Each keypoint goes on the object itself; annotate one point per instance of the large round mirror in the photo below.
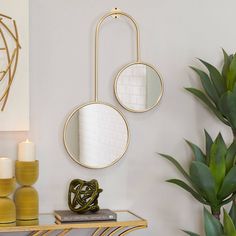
(138, 87)
(96, 135)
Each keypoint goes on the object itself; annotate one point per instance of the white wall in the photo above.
(173, 34)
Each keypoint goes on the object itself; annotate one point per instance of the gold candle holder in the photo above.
(26, 198)
(27, 222)
(27, 206)
(27, 172)
(7, 206)
(7, 212)
(7, 187)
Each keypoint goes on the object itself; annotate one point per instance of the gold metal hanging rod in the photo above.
(115, 13)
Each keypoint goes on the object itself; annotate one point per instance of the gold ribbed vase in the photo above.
(7, 206)
(27, 172)
(7, 186)
(27, 206)
(7, 212)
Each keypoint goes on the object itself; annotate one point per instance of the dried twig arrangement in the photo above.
(9, 55)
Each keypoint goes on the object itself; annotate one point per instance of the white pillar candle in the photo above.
(6, 168)
(26, 151)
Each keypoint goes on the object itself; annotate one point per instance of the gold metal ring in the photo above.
(66, 125)
(116, 81)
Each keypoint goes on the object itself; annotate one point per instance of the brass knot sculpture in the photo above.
(83, 196)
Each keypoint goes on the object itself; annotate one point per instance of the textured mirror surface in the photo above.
(138, 87)
(96, 135)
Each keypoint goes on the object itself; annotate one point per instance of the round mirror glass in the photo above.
(138, 87)
(96, 135)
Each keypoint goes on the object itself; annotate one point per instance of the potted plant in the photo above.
(211, 178)
(214, 228)
(219, 90)
(212, 174)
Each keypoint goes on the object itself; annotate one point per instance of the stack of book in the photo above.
(72, 217)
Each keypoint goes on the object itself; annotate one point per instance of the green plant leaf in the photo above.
(228, 200)
(209, 143)
(199, 156)
(229, 184)
(190, 233)
(229, 228)
(203, 179)
(231, 75)
(212, 226)
(183, 185)
(207, 85)
(199, 94)
(232, 213)
(177, 165)
(227, 62)
(216, 78)
(227, 106)
(217, 161)
(230, 156)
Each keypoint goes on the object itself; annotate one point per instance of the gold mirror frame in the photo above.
(116, 13)
(70, 117)
(116, 92)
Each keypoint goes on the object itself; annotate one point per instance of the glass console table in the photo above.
(126, 223)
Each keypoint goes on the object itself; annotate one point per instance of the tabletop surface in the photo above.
(47, 222)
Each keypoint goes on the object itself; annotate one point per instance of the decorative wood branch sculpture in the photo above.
(9, 55)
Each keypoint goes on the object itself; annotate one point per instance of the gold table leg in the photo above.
(131, 230)
(36, 233)
(95, 233)
(105, 232)
(116, 230)
(48, 233)
(64, 232)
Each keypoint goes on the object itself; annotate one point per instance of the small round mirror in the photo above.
(138, 87)
(96, 135)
